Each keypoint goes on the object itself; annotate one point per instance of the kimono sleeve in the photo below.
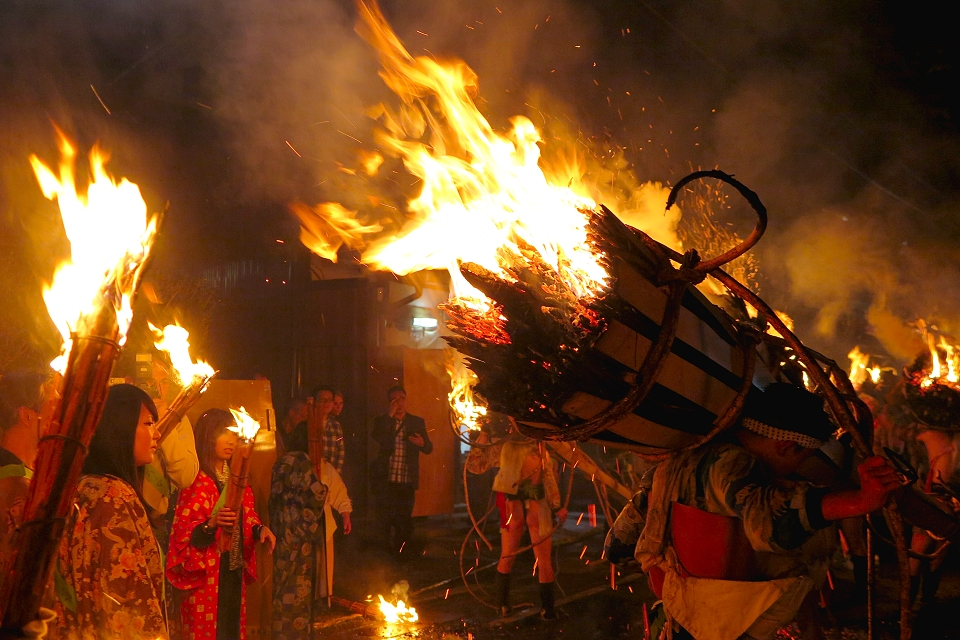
(187, 565)
(777, 516)
(128, 556)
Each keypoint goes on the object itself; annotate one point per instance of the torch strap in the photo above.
(60, 436)
(783, 435)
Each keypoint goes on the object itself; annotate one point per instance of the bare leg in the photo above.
(541, 551)
(510, 536)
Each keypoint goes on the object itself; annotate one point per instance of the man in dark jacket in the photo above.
(401, 438)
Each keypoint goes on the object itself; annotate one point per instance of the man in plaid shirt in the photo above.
(401, 437)
(333, 449)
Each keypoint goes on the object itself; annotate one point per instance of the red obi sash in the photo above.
(708, 545)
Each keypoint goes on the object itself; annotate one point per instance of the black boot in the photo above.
(914, 587)
(859, 579)
(503, 594)
(931, 582)
(546, 601)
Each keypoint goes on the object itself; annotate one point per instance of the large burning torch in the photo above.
(193, 377)
(246, 429)
(91, 303)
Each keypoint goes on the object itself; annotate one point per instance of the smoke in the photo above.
(232, 110)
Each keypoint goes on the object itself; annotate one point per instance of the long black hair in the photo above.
(111, 450)
(210, 426)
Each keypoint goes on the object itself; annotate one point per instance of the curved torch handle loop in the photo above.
(748, 194)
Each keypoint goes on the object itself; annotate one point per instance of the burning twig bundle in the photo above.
(633, 366)
(91, 302)
(932, 386)
(194, 377)
(246, 429)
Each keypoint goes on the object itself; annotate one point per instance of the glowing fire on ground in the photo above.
(110, 238)
(174, 340)
(469, 410)
(246, 426)
(861, 369)
(397, 613)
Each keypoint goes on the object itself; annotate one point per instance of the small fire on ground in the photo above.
(397, 613)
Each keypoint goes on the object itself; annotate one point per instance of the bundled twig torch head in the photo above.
(246, 430)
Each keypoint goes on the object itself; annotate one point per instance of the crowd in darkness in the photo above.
(153, 550)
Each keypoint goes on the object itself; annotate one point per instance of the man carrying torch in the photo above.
(721, 531)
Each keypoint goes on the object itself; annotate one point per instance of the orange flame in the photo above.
(110, 238)
(246, 426)
(469, 409)
(860, 369)
(398, 613)
(174, 341)
(481, 191)
(944, 361)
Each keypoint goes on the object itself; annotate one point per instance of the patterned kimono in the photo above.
(109, 572)
(197, 569)
(297, 499)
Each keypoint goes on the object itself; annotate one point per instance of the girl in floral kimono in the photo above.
(215, 603)
(109, 573)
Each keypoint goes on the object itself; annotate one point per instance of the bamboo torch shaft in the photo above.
(60, 456)
(239, 474)
(187, 397)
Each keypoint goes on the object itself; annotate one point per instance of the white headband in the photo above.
(765, 430)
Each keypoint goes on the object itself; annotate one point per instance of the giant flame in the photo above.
(110, 237)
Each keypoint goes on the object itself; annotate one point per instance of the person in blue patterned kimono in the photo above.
(297, 499)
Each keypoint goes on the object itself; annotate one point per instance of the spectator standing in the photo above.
(109, 571)
(332, 432)
(337, 404)
(401, 438)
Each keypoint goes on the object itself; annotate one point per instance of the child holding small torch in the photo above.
(212, 546)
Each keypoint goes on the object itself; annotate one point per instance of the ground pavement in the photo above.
(588, 608)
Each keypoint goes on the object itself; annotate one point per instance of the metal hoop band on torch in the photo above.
(239, 472)
(60, 455)
(184, 401)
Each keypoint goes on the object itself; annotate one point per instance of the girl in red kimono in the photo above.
(214, 605)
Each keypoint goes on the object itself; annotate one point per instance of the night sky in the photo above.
(841, 116)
